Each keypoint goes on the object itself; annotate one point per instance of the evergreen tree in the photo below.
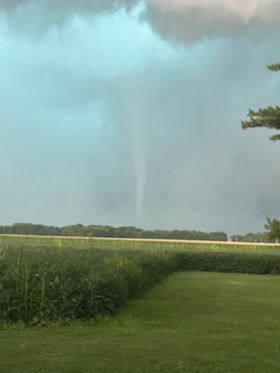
(268, 117)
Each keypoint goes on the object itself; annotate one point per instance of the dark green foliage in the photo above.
(230, 262)
(273, 226)
(48, 281)
(108, 231)
(268, 117)
(56, 283)
(274, 67)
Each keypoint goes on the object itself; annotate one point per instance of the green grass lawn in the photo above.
(193, 322)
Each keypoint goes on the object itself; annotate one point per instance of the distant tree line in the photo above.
(109, 231)
(251, 237)
(272, 235)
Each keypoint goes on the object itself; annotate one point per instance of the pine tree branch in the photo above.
(268, 117)
(275, 137)
(274, 67)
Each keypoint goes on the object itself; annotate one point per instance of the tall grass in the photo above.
(57, 283)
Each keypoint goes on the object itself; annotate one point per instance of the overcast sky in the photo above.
(127, 112)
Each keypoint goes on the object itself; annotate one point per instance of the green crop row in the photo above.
(41, 283)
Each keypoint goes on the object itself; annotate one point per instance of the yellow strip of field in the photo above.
(145, 240)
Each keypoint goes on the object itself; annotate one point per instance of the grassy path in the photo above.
(193, 322)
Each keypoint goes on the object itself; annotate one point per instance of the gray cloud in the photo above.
(189, 20)
(69, 6)
(178, 20)
(200, 169)
(45, 13)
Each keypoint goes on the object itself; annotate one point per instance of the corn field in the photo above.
(44, 280)
(51, 283)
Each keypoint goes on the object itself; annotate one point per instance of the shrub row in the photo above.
(230, 262)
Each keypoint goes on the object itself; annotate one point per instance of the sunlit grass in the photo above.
(193, 322)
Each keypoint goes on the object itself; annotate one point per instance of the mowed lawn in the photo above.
(192, 322)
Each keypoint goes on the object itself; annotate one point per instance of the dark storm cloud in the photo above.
(178, 20)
